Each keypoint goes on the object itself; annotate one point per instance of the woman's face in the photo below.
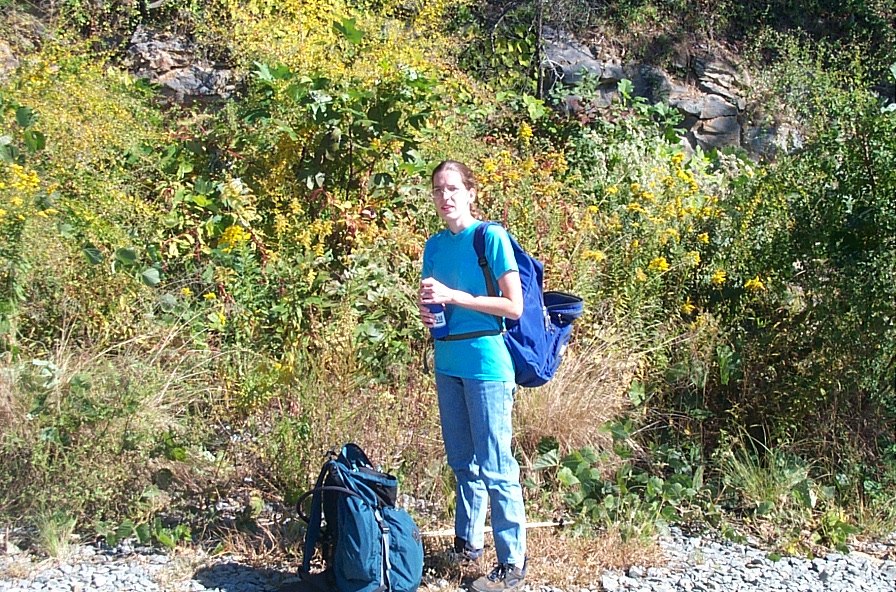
(453, 200)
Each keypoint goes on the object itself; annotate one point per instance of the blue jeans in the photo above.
(476, 427)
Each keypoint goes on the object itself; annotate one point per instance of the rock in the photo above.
(713, 88)
(173, 63)
(650, 82)
(8, 63)
(692, 105)
(636, 571)
(609, 582)
(720, 132)
(771, 140)
(715, 106)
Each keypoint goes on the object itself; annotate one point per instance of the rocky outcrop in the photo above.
(174, 63)
(711, 95)
(8, 62)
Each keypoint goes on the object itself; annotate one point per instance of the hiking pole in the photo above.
(450, 531)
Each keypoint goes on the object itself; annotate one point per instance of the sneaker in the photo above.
(504, 577)
(463, 553)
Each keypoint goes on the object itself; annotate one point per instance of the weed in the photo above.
(55, 532)
(588, 390)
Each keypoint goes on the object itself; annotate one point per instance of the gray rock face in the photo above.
(713, 104)
(173, 63)
(8, 62)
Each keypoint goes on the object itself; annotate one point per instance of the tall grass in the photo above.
(589, 389)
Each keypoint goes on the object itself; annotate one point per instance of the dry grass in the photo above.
(10, 406)
(589, 389)
(556, 558)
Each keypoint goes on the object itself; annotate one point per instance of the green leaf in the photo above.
(765, 508)
(566, 477)
(178, 453)
(636, 393)
(34, 140)
(50, 434)
(287, 129)
(93, 254)
(126, 256)
(150, 277)
(201, 200)
(25, 116)
(610, 501)
(547, 460)
(80, 382)
(203, 186)
(346, 28)
(547, 443)
(698, 478)
(164, 537)
(143, 534)
(8, 152)
(125, 530)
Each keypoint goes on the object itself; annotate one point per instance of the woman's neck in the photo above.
(458, 226)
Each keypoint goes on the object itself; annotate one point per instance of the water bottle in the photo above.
(440, 328)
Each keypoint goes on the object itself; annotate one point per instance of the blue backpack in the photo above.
(369, 545)
(538, 339)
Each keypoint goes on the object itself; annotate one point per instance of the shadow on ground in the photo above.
(236, 577)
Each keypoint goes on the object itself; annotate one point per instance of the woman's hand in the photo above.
(433, 291)
(426, 316)
(509, 305)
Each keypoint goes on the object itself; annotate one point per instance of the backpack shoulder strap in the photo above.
(314, 521)
(479, 247)
(490, 285)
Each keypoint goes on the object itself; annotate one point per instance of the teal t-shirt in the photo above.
(451, 259)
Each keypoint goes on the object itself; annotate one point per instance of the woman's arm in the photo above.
(508, 305)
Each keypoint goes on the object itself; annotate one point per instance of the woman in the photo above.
(475, 377)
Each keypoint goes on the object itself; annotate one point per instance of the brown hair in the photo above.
(466, 174)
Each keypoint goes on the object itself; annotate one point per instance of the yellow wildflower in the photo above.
(754, 285)
(636, 207)
(209, 296)
(677, 158)
(186, 292)
(703, 237)
(612, 190)
(693, 257)
(594, 255)
(687, 307)
(233, 236)
(640, 276)
(719, 277)
(593, 209)
(636, 243)
(635, 187)
(525, 132)
(659, 264)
